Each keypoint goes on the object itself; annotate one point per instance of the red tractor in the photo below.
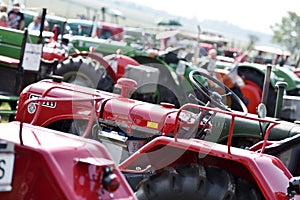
(166, 154)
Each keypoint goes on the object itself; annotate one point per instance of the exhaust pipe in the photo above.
(281, 86)
(266, 85)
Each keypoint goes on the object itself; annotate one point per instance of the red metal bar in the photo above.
(233, 114)
(230, 133)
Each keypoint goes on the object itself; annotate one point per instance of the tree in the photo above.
(287, 33)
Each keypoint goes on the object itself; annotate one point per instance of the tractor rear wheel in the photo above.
(86, 72)
(195, 182)
(185, 183)
(256, 80)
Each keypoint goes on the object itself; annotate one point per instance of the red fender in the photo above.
(253, 93)
(118, 63)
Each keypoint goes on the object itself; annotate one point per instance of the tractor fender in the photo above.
(243, 170)
(253, 75)
(288, 76)
(261, 69)
(278, 74)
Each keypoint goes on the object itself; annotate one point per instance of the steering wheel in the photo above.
(211, 92)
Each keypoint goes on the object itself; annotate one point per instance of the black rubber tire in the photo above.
(167, 96)
(180, 184)
(78, 127)
(62, 125)
(81, 71)
(168, 90)
(246, 191)
(238, 92)
(258, 78)
(196, 182)
(221, 184)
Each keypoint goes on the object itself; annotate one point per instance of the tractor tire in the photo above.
(165, 95)
(85, 72)
(168, 90)
(221, 184)
(185, 183)
(257, 78)
(245, 191)
(234, 104)
(195, 182)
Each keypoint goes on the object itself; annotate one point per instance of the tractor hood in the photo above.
(54, 109)
(55, 161)
(130, 114)
(249, 128)
(113, 108)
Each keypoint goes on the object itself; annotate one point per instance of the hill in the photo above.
(141, 16)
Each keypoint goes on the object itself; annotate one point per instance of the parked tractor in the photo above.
(39, 163)
(25, 60)
(254, 69)
(104, 30)
(83, 27)
(69, 117)
(52, 47)
(165, 152)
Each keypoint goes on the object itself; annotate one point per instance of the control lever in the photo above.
(191, 96)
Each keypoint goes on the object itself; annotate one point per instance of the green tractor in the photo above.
(253, 75)
(14, 73)
(255, 68)
(173, 66)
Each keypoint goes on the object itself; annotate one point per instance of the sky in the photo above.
(257, 15)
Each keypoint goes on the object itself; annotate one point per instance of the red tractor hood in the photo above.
(128, 113)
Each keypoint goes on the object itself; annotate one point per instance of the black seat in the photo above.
(288, 151)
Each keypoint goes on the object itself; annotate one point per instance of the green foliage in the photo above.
(287, 33)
